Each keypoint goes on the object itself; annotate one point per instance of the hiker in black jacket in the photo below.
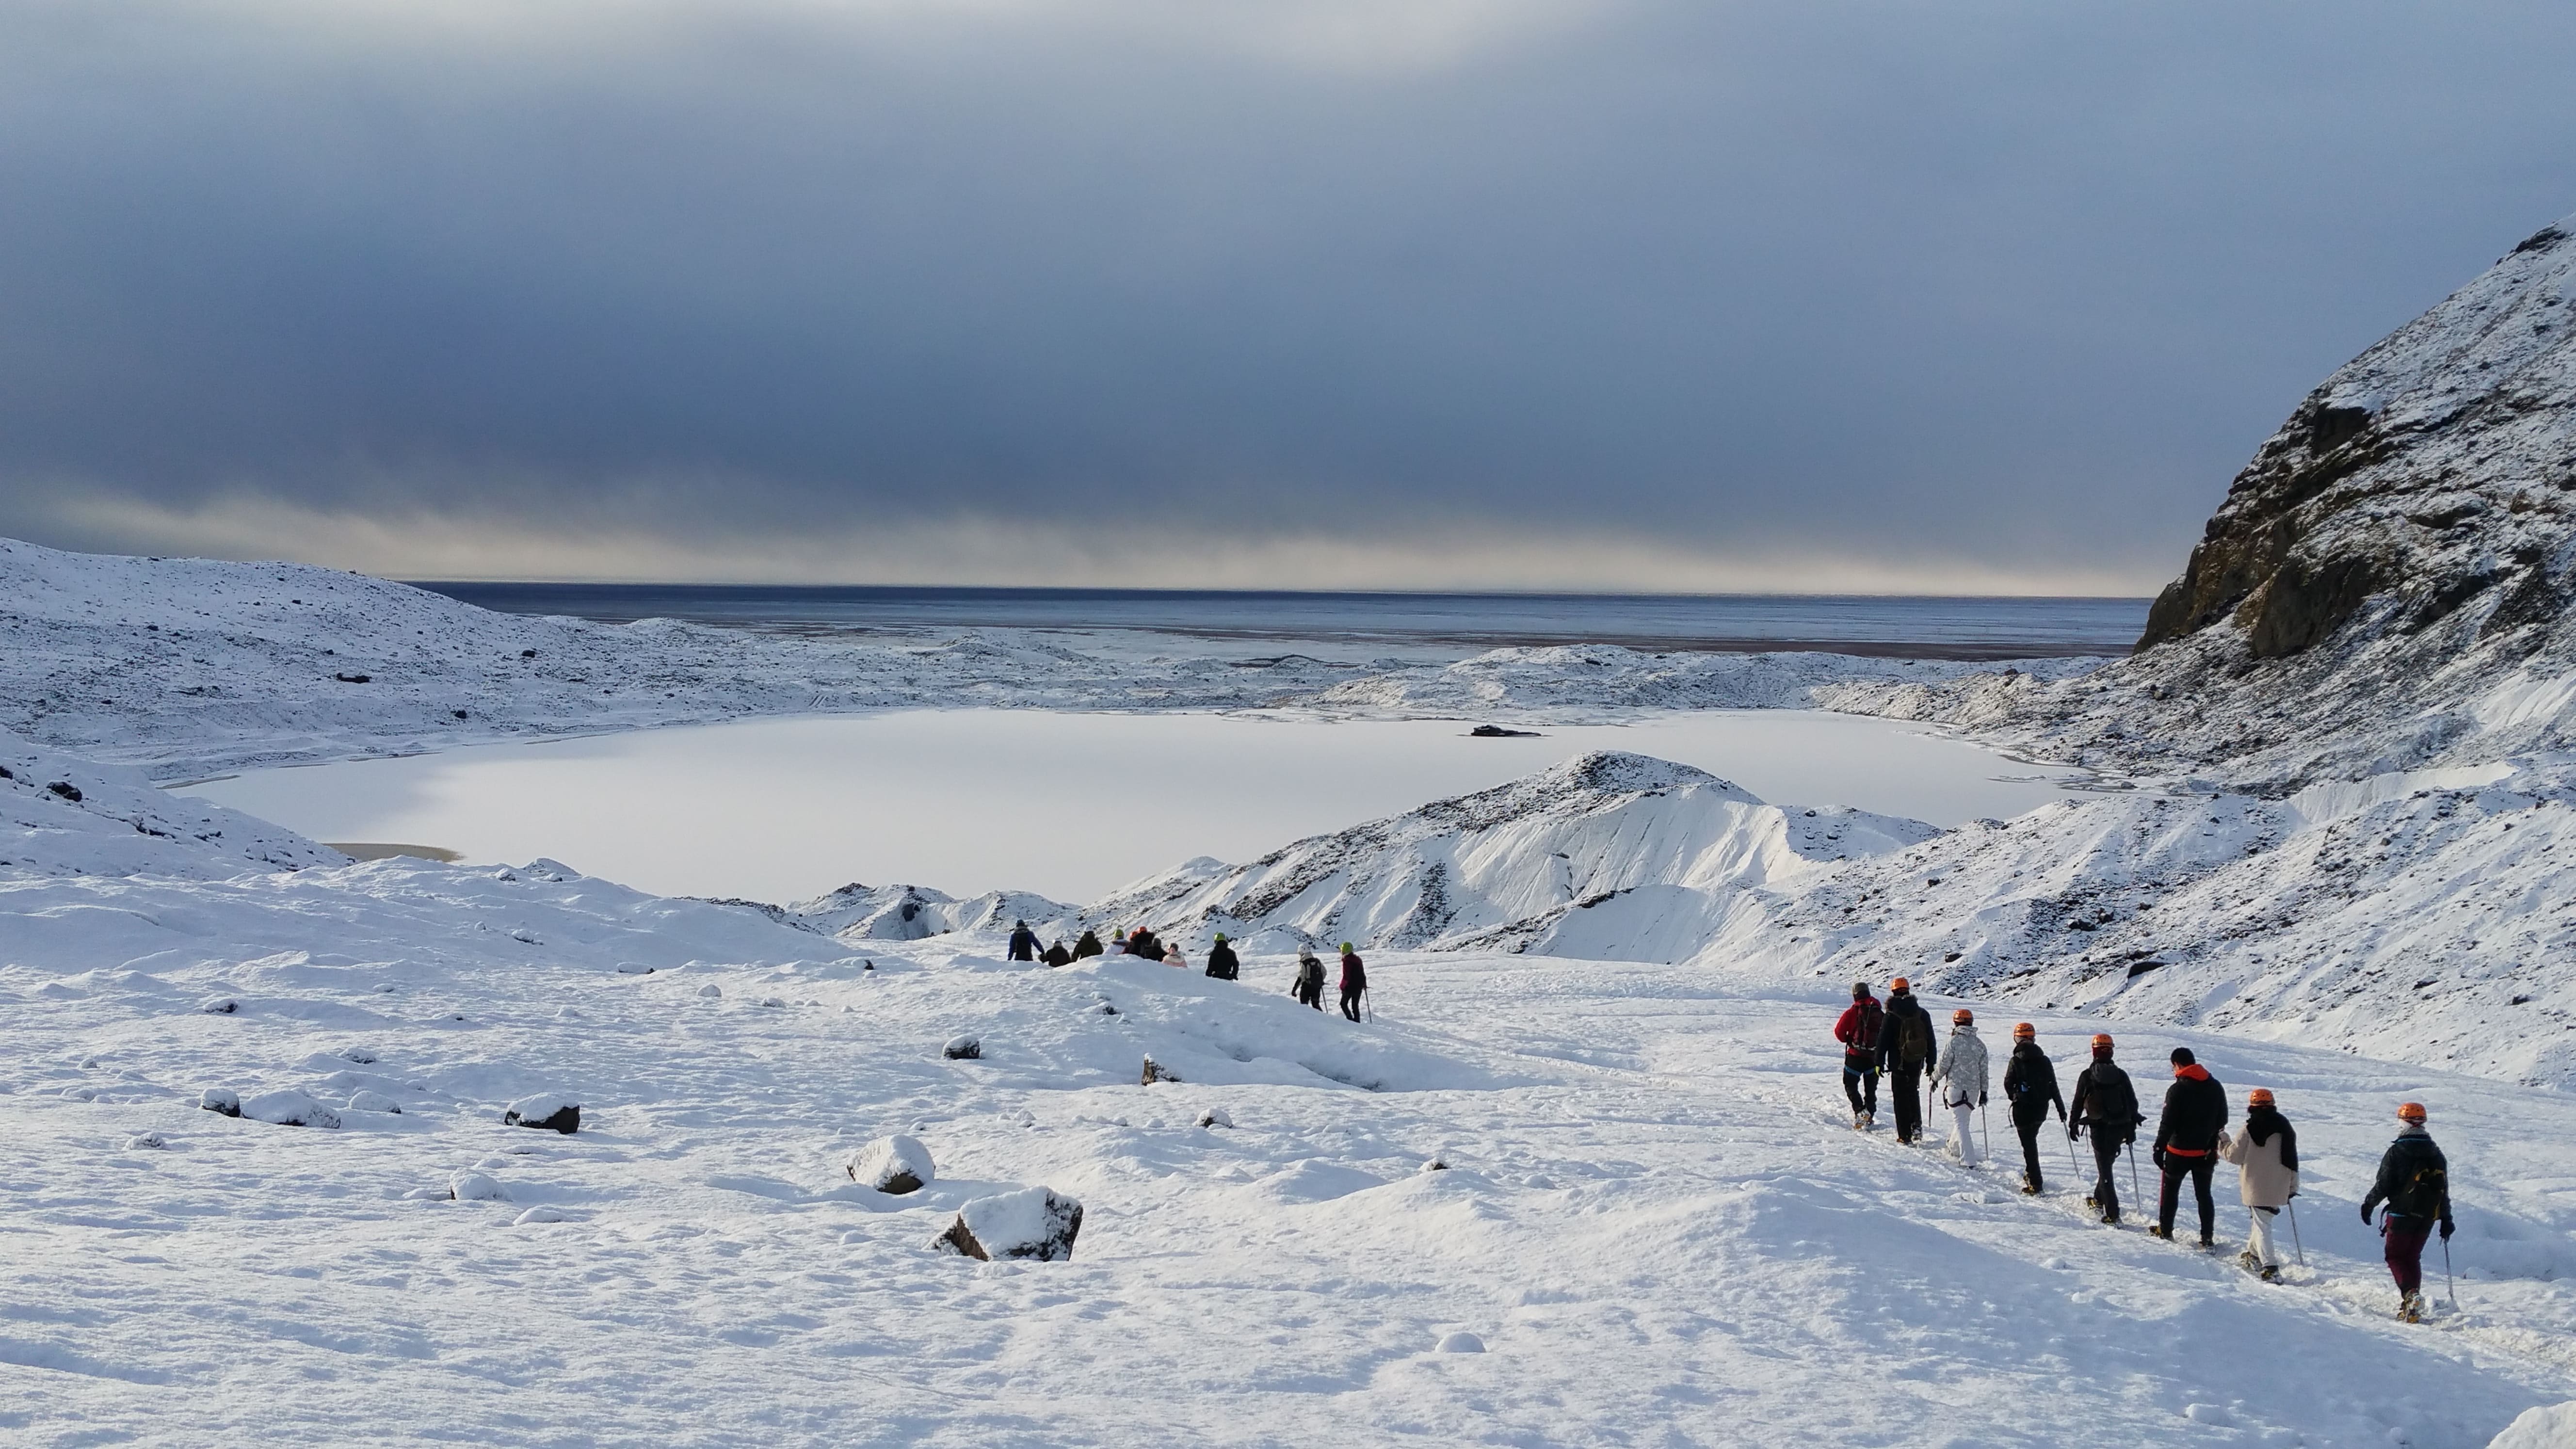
(2030, 1087)
(1057, 955)
(1221, 960)
(2106, 1104)
(2415, 1181)
(1908, 1047)
(2187, 1142)
(1087, 944)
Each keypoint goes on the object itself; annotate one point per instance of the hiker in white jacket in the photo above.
(1960, 1079)
(2266, 1154)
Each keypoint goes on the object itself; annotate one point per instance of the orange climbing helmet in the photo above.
(2024, 1031)
(2411, 1112)
(2101, 1041)
(1899, 984)
(1962, 1017)
(2259, 1097)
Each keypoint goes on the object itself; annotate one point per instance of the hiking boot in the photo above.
(2110, 1220)
(2248, 1261)
(2092, 1200)
(2207, 1242)
(2410, 1309)
(2030, 1189)
(2270, 1274)
(2159, 1230)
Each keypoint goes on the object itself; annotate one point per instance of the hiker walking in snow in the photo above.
(2030, 1086)
(1309, 989)
(1908, 1050)
(2107, 1106)
(2266, 1156)
(2187, 1142)
(1961, 1081)
(1056, 955)
(2415, 1181)
(1145, 943)
(1221, 960)
(1087, 944)
(1354, 982)
(1858, 1031)
(1024, 942)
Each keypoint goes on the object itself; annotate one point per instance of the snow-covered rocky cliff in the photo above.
(1661, 847)
(2385, 587)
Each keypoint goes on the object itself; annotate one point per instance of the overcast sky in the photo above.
(1944, 297)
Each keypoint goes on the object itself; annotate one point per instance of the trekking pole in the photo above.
(2449, 1289)
(2135, 1196)
(2073, 1168)
(1985, 1132)
(2294, 1233)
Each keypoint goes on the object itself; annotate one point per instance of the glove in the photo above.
(1981, 1099)
(2365, 1217)
(2074, 1130)
(2446, 1232)
(2156, 1155)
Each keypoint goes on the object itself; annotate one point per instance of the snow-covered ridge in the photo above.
(62, 815)
(2385, 588)
(1507, 865)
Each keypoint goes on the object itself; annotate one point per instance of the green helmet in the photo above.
(1220, 935)
(1346, 945)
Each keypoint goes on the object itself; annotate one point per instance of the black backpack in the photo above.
(1913, 1037)
(2423, 1193)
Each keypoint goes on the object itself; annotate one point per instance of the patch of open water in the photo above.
(1070, 805)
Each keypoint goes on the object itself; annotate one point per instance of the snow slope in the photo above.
(1652, 1217)
(61, 815)
(1507, 864)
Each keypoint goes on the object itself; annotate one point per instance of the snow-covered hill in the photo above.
(2385, 588)
(859, 913)
(1518, 865)
(62, 815)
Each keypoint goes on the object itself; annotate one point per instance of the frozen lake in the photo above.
(1070, 805)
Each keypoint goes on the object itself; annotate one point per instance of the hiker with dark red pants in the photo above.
(2030, 1089)
(2107, 1107)
(2266, 1156)
(2415, 1181)
(1354, 982)
(2187, 1143)
(1907, 1049)
(1858, 1031)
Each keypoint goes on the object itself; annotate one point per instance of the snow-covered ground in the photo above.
(1654, 1218)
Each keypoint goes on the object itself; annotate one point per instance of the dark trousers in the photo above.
(1311, 993)
(1905, 1095)
(2029, 1127)
(2404, 1240)
(2106, 1158)
(1351, 1001)
(2198, 1170)
(1861, 1085)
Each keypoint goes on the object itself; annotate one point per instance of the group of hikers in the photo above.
(1222, 963)
(1896, 1039)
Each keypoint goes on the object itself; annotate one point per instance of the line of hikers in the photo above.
(1222, 963)
(1896, 1039)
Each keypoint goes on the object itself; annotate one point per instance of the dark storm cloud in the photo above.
(2005, 283)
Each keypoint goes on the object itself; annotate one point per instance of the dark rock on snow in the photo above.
(556, 1114)
(963, 1049)
(1156, 1072)
(895, 1165)
(1033, 1223)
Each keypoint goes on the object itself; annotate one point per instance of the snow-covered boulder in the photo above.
(896, 1164)
(1461, 1343)
(1034, 1222)
(220, 1099)
(363, 1101)
(1216, 1117)
(549, 1110)
(475, 1187)
(963, 1049)
(289, 1108)
(2550, 1426)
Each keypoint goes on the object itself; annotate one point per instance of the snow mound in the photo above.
(2551, 1426)
(475, 1187)
(1506, 866)
(289, 1109)
(364, 1101)
(1461, 1343)
(1032, 1223)
(895, 1165)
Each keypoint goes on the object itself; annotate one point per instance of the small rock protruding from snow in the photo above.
(475, 1187)
(1156, 1072)
(363, 1056)
(289, 1108)
(219, 1005)
(1215, 1117)
(1034, 1222)
(145, 1141)
(963, 1049)
(1436, 1164)
(1461, 1343)
(373, 1102)
(896, 1165)
(220, 1099)
(549, 1110)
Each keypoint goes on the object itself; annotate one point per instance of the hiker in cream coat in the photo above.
(2266, 1155)
(1960, 1081)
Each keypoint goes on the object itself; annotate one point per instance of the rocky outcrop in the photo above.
(2385, 586)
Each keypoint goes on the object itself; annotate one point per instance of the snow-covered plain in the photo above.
(1653, 1216)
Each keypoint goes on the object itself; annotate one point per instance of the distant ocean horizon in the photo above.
(1921, 627)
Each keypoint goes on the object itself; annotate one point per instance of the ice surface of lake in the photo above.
(1071, 805)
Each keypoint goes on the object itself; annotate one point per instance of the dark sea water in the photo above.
(1966, 628)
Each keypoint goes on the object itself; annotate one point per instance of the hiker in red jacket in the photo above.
(1354, 982)
(1858, 1031)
